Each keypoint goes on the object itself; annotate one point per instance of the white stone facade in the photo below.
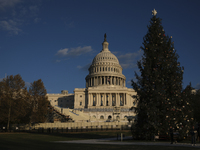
(106, 96)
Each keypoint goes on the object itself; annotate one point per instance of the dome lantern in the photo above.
(105, 44)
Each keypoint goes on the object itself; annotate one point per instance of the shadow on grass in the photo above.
(85, 135)
(42, 141)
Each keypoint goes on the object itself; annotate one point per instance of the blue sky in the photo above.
(56, 40)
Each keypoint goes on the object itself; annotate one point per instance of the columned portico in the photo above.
(106, 99)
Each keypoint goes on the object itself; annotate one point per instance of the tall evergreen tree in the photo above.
(159, 86)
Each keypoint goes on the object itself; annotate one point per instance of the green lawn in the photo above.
(35, 141)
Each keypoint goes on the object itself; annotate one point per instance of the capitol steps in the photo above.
(75, 115)
(55, 115)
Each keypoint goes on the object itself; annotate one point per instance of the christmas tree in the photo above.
(159, 85)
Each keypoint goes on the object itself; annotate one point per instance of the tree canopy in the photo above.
(19, 105)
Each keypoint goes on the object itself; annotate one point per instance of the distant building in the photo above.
(106, 96)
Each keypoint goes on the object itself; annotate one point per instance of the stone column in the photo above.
(124, 83)
(117, 99)
(104, 97)
(89, 103)
(125, 101)
(110, 99)
(99, 99)
(91, 99)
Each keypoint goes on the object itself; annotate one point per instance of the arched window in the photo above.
(94, 116)
(101, 117)
(103, 68)
(114, 69)
(108, 68)
(110, 117)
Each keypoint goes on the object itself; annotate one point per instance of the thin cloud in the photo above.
(74, 51)
(8, 3)
(36, 20)
(129, 60)
(11, 26)
(34, 10)
(20, 17)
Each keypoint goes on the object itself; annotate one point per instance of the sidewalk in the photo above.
(113, 141)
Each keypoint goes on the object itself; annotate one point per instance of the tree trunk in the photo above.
(8, 124)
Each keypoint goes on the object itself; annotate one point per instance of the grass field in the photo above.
(35, 141)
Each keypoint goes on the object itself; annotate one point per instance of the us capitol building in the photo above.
(105, 98)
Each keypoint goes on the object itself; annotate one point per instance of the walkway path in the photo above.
(113, 141)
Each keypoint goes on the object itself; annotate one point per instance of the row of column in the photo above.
(107, 99)
(105, 80)
(101, 69)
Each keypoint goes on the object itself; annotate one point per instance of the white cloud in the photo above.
(8, 3)
(62, 52)
(11, 26)
(74, 51)
(129, 60)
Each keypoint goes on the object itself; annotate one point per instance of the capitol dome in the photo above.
(105, 69)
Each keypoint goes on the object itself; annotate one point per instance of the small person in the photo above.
(198, 133)
(171, 132)
(193, 132)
